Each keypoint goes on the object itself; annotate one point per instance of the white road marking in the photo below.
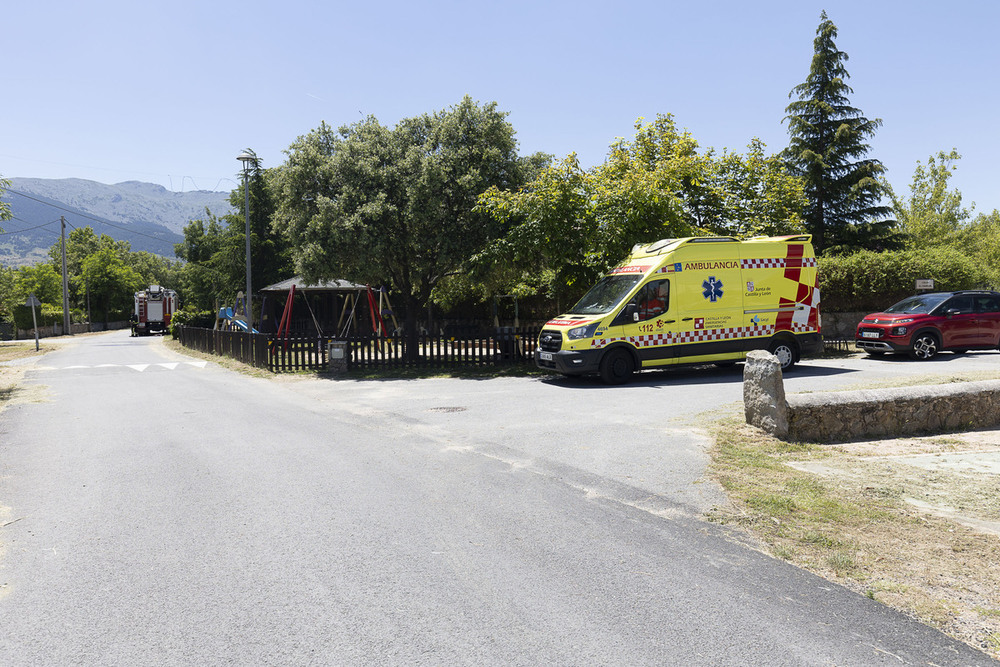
(136, 367)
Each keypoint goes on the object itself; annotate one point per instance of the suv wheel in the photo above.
(924, 347)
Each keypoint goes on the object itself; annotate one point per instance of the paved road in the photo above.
(163, 511)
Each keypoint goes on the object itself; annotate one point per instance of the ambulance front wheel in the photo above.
(617, 366)
(785, 351)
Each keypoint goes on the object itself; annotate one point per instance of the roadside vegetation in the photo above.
(923, 542)
(10, 375)
(442, 210)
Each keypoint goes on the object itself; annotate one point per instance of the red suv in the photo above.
(925, 324)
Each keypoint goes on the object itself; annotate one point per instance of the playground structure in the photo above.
(235, 318)
(358, 306)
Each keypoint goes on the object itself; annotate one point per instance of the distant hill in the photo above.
(148, 216)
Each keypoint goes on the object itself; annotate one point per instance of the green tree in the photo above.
(932, 214)
(82, 243)
(8, 303)
(112, 283)
(270, 253)
(981, 240)
(376, 204)
(43, 281)
(214, 249)
(202, 278)
(571, 224)
(4, 206)
(551, 224)
(828, 150)
(749, 195)
(39, 279)
(154, 269)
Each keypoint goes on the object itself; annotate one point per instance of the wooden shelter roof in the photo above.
(328, 286)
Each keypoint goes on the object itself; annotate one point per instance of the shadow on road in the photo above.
(689, 376)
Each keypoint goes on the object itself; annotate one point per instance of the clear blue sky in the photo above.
(171, 92)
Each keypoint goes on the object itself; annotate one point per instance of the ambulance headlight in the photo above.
(586, 331)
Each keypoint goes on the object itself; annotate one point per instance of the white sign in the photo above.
(927, 283)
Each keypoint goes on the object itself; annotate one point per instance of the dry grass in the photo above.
(847, 513)
(10, 376)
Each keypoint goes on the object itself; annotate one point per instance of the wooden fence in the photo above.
(298, 353)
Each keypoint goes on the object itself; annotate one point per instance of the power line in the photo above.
(21, 231)
(88, 217)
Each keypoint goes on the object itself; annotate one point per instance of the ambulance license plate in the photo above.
(870, 334)
(545, 356)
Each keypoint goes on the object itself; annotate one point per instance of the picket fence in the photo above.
(506, 346)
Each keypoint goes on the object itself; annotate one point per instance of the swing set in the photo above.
(376, 309)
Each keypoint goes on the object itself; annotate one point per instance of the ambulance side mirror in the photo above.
(632, 312)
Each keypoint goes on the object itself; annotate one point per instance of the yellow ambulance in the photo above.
(691, 300)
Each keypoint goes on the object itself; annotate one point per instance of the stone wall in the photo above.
(57, 329)
(864, 414)
(840, 326)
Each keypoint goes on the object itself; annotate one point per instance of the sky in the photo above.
(172, 92)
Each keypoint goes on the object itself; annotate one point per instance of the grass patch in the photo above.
(858, 529)
(12, 351)
(10, 376)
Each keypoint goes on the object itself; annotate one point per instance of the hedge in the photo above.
(869, 281)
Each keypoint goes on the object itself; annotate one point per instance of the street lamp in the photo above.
(249, 161)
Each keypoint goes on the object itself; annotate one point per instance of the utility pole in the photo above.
(249, 160)
(65, 280)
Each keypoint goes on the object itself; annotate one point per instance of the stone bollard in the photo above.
(764, 393)
(337, 356)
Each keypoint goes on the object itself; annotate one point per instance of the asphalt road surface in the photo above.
(158, 510)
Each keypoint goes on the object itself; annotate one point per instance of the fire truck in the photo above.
(153, 308)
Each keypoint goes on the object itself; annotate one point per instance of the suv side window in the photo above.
(963, 304)
(987, 304)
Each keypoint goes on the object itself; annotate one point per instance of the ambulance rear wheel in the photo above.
(785, 351)
(617, 367)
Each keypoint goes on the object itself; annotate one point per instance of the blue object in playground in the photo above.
(233, 320)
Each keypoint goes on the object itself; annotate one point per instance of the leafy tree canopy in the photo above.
(111, 283)
(397, 205)
(4, 207)
(42, 280)
(572, 224)
(214, 249)
(932, 214)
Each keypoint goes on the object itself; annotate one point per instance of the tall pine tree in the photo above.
(828, 151)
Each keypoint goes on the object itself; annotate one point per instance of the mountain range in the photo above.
(148, 216)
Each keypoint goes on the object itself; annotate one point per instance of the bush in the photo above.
(870, 281)
(190, 317)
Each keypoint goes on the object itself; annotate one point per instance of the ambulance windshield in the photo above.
(605, 295)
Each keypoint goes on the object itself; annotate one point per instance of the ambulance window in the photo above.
(605, 295)
(653, 299)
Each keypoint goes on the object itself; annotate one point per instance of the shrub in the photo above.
(869, 281)
(190, 317)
